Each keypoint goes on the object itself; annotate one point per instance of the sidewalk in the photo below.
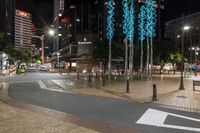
(15, 120)
(167, 89)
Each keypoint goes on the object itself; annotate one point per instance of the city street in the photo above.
(145, 118)
(96, 66)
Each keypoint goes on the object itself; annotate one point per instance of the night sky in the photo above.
(42, 10)
(176, 8)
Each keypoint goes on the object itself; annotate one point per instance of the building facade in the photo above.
(23, 30)
(7, 13)
(174, 29)
(58, 13)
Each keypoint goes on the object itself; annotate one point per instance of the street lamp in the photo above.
(51, 32)
(185, 28)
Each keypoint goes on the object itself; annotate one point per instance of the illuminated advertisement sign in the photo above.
(22, 14)
(65, 21)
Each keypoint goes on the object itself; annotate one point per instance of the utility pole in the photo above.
(42, 49)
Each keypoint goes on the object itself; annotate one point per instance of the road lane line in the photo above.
(43, 86)
(153, 117)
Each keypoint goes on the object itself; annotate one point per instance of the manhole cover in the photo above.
(181, 96)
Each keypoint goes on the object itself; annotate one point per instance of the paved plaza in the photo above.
(167, 85)
(16, 120)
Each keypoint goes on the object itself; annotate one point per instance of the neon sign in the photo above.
(23, 14)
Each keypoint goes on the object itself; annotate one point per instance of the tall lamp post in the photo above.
(51, 32)
(185, 28)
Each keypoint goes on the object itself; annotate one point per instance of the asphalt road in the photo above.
(144, 117)
(34, 75)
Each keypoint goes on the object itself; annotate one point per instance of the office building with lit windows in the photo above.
(58, 11)
(23, 30)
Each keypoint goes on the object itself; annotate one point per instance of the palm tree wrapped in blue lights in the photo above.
(110, 30)
(150, 32)
(128, 29)
(131, 35)
(142, 31)
(125, 31)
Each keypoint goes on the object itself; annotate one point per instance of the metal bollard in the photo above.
(154, 93)
(127, 86)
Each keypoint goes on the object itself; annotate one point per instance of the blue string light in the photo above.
(151, 18)
(125, 17)
(110, 19)
(142, 16)
(131, 22)
(129, 19)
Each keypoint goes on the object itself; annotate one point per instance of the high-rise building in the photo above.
(7, 13)
(23, 30)
(58, 13)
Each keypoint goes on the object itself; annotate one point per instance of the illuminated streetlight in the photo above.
(78, 20)
(51, 32)
(186, 27)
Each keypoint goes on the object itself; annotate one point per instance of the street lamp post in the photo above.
(42, 48)
(185, 28)
(51, 33)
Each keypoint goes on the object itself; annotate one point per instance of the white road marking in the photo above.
(14, 82)
(157, 118)
(63, 82)
(43, 86)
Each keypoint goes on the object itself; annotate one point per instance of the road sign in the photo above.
(153, 117)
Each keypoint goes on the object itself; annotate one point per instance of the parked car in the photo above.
(21, 69)
(44, 68)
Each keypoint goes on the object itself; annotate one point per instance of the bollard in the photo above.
(127, 86)
(89, 78)
(154, 93)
